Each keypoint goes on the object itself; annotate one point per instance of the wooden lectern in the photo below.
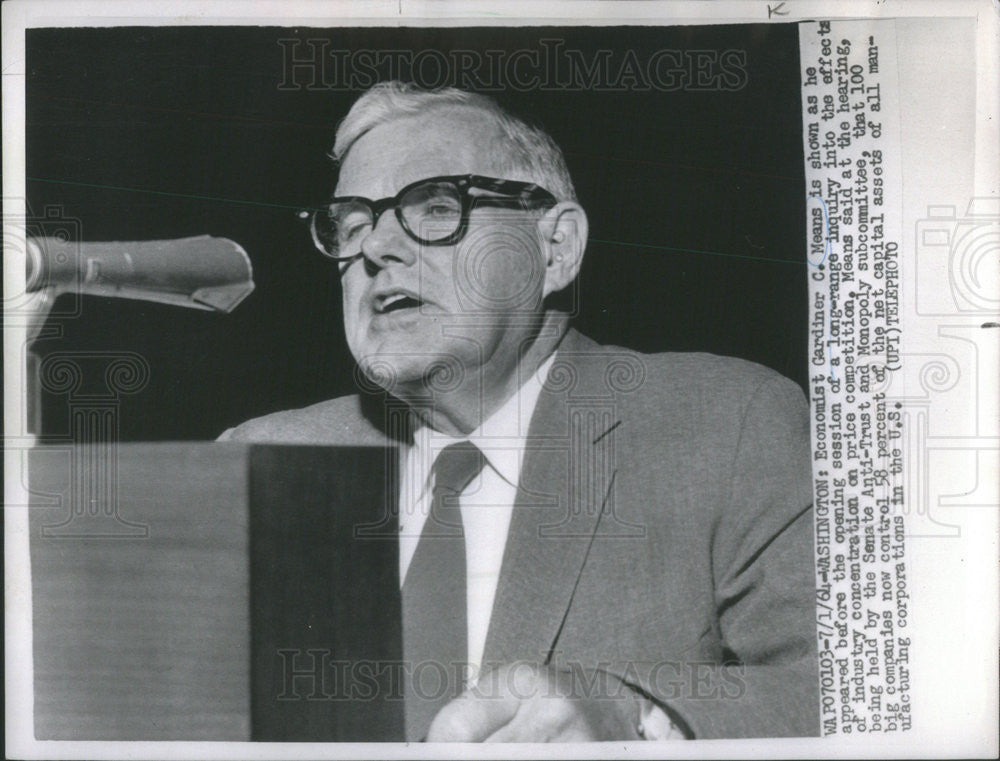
(215, 592)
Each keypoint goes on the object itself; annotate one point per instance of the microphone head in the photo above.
(201, 272)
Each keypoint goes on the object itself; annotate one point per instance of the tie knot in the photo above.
(456, 466)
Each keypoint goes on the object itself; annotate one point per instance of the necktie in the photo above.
(434, 610)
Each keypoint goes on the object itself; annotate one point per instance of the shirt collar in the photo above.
(501, 437)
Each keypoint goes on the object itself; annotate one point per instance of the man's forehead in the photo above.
(438, 142)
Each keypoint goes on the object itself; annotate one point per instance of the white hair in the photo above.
(521, 148)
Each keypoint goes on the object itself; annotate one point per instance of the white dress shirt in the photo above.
(486, 504)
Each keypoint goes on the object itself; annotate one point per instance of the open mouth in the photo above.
(396, 302)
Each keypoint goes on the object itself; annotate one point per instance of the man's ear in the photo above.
(563, 230)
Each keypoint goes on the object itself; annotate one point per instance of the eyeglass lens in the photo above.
(429, 212)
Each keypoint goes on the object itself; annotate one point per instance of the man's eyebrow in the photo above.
(340, 211)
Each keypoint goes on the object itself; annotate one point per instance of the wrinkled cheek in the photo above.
(355, 326)
(499, 270)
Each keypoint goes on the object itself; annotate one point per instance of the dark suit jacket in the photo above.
(662, 532)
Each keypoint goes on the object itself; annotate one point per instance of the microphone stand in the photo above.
(201, 272)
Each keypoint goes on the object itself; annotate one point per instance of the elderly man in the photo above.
(616, 545)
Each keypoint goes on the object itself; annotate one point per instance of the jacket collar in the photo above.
(565, 487)
(564, 492)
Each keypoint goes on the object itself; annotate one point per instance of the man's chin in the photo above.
(404, 366)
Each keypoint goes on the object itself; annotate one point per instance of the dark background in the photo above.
(695, 200)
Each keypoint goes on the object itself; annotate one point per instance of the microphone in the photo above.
(202, 272)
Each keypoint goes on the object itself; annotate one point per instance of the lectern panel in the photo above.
(140, 592)
(177, 587)
(325, 606)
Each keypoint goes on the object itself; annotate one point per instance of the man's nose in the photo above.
(388, 243)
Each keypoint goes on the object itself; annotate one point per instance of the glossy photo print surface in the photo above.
(596, 379)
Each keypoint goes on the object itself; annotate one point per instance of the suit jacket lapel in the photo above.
(565, 482)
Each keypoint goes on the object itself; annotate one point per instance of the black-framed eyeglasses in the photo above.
(434, 211)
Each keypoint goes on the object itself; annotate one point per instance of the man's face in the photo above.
(409, 307)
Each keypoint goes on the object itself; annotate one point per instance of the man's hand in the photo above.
(528, 703)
